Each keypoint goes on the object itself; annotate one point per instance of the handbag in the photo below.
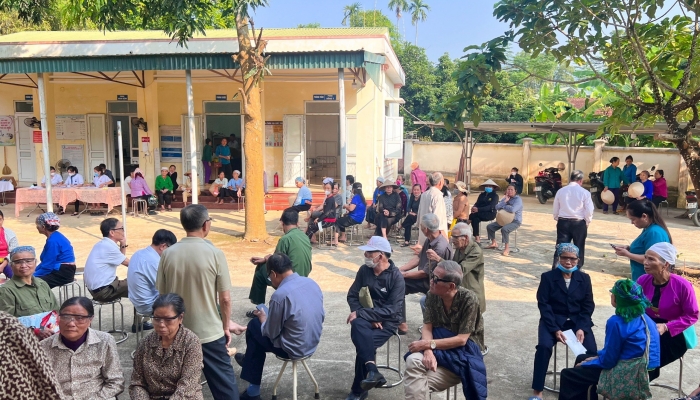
(691, 339)
(629, 379)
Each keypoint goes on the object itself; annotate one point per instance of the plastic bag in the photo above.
(46, 320)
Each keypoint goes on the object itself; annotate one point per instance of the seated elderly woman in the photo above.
(235, 188)
(327, 212)
(452, 338)
(389, 209)
(673, 308)
(627, 334)
(168, 362)
(511, 203)
(565, 300)
(57, 266)
(86, 361)
(24, 294)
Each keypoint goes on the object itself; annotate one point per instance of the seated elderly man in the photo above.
(435, 245)
(24, 294)
(452, 338)
(565, 300)
(102, 262)
(143, 269)
(373, 322)
(294, 244)
(290, 328)
(511, 203)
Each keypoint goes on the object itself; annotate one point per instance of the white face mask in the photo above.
(328, 192)
(53, 174)
(70, 174)
(369, 261)
(512, 173)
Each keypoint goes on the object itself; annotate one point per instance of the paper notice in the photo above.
(573, 343)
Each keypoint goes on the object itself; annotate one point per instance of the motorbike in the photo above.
(691, 200)
(547, 183)
(597, 186)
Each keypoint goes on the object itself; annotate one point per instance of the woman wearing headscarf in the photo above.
(26, 371)
(565, 300)
(8, 241)
(485, 207)
(388, 209)
(139, 187)
(644, 215)
(57, 266)
(673, 307)
(626, 335)
(164, 189)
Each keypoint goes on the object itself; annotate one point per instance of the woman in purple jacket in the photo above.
(674, 307)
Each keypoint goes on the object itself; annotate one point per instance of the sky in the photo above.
(451, 26)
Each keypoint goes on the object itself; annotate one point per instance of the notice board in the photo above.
(71, 127)
(75, 153)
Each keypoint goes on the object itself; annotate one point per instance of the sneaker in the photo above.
(353, 396)
(246, 396)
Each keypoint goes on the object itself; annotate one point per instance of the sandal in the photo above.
(250, 314)
(489, 247)
(405, 244)
(74, 214)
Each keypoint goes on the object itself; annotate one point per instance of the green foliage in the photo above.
(374, 19)
(313, 25)
(399, 7)
(419, 13)
(350, 11)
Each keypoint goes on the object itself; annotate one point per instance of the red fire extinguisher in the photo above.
(277, 180)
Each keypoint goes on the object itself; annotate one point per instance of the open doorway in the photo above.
(322, 140)
(123, 111)
(222, 119)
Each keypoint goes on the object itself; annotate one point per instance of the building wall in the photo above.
(8, 95)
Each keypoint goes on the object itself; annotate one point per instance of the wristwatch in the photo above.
(433, 345)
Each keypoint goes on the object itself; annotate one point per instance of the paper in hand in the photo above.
(573, 343)
(320, 226)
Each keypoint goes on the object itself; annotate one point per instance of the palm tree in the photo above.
(418, 9)
(350, 11)
(399, 6)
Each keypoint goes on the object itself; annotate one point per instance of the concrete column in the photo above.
(525, 168)
(598, 155)
(45, 140)
(193, 139)
(342, 125)
(683, 182)
(50, 124)
(147, 103)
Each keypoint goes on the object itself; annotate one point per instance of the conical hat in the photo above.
(608, 197)
(488, 182)
(635, 190)
(504, 217)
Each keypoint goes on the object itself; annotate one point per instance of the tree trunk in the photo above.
(692, 160)
(253, 143)
(416, 33)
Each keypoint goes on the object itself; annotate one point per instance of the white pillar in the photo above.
(120, 146)
(193, 138)
(343, 139)
(45, 141)
(598, 154)
(525, 168)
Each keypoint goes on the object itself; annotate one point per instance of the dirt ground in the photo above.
(511, 282)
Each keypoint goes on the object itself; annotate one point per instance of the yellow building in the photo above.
(92, 81)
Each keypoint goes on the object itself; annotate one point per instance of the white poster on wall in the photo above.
(7, 130)
(71, 127)
(75, 153)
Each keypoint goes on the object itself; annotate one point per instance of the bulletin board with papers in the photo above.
(71, 127)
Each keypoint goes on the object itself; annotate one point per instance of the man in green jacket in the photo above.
(295, 244)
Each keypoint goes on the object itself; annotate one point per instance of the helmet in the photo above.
(152, 201)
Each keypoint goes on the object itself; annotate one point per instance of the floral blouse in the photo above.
(167, 373)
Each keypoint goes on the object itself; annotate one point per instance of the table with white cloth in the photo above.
(111, 196)
(5, 186)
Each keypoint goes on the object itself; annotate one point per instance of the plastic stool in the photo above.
(139, 329)
(358, 230)
(135, 203)
(63, 291)
(664, 202)
(447, 393)
(514, 248)
(388, 366)
(114, 329)
(679, 389)
(554, 371)
(294, 372)
(322, 234)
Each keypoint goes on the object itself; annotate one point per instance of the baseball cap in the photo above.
(377, 243)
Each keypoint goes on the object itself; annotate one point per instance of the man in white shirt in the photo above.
(431, 202)
(101, 265)
(573, 211)
(143, 269)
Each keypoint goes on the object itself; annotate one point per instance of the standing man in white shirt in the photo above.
(431, 202)
(573, 211)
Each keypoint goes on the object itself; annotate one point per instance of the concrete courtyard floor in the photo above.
(511, 283)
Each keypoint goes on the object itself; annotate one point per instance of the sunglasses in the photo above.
(437, 279)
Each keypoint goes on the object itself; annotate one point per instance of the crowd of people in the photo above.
(188, 301)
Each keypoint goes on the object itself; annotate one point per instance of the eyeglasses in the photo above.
(26, 261)
(164, 320)
(117, 229)
(437, 279)
(564, 258)
(77, 318)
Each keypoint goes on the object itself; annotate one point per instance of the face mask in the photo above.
(512, 174)
(488, 189)
(328, 192)
(96, 174)
(53, 174)
(567, 271)
(369, 261)
(70, 174)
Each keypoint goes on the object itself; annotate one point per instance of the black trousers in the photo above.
(479, 217)
(371, 214)
(301, 207)
(63, 276)
(657, 200)
(257, 347)
(571, 230)
(219, 371)
(672, 348)
(228, 170)
(543, 353)
(575, 382)
(407, 224)
(345, 222)
(367, 340)
(164, 198)
(382, 221)
(415, 286)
